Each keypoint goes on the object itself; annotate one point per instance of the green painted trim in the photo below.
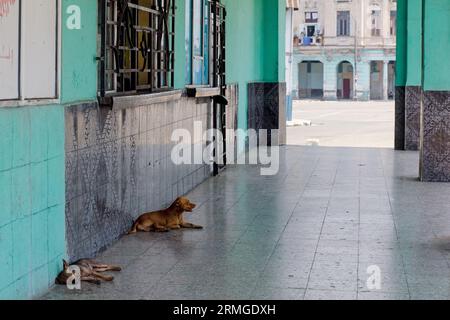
(180, 39)
(414, 38)
(401, 60)
(281, 40)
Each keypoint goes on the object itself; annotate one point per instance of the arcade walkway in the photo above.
(311, 232)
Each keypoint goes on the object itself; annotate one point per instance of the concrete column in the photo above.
(289, 61)
(385, 80)
(363, 87)
(330, 81)
(386, 19)
(295, 80)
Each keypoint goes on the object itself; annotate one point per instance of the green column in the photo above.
(400, 77)
(253, 47)
(435, 135)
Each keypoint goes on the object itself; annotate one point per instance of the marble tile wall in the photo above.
(412, 117)
(399, 118)
(267, 107)
(118, 166)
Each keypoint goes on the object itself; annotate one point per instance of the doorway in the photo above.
(310, 80)
(345, 80)
(391, 80)
(376, 80)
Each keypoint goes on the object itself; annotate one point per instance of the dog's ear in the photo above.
(65, 264)
(178, 203)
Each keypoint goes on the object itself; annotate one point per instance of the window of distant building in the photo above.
(376, 23)
(311, 17)
(393, 23)
(343, 23)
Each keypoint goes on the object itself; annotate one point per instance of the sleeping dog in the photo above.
(165, 220)
(90, 271)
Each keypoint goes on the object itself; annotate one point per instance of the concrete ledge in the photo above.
(121, 102)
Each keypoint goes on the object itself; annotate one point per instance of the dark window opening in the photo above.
(310, 31)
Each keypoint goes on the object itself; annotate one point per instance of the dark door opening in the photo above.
(346, 89)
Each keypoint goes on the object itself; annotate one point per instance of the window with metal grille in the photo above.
(136, 50)
(205, 41)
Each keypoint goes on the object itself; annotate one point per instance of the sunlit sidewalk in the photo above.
(311, 232)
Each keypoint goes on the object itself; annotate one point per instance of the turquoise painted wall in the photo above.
(32, 233)
(401, 64)
(32, 168)
(414, 38)
(436, 62)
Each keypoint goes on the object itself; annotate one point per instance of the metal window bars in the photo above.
(218, 17)
(137, 46)
(218, 28)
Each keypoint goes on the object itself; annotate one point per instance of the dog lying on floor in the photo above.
(165, 220)
(90, 271)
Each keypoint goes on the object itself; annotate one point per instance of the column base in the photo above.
(435, 137)
(412, 117)
(267, 107)
(329, 95)
(399, 118)
(362, 95)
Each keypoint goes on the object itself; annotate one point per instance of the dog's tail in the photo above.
(133, 228)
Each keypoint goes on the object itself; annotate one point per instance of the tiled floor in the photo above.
(310, 232)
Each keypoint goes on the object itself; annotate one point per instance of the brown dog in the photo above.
(90, 271)
(165, 220)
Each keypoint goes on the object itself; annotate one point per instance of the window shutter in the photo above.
(9, 51)
(39, 48)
